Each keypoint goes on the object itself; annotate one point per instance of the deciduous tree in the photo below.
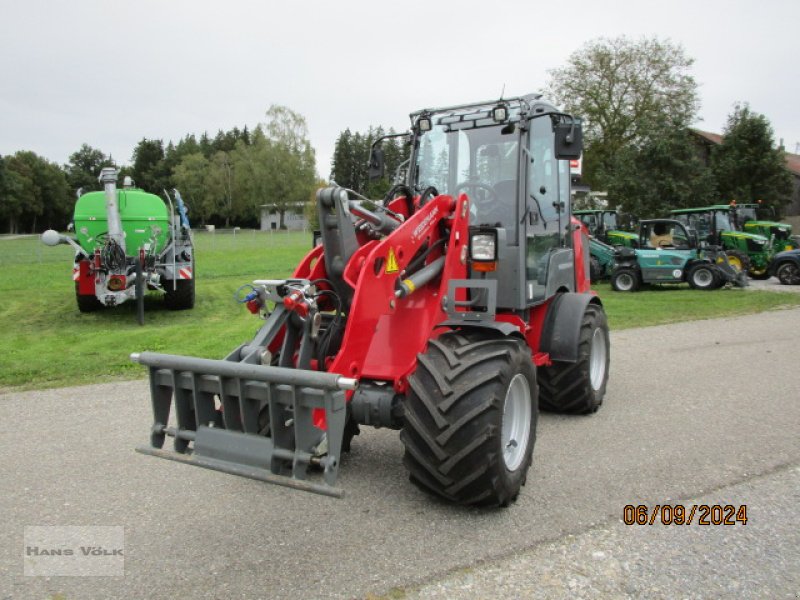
(621, 87)
(661, 172)
(747, 165)
(291, 161)
(84, 168)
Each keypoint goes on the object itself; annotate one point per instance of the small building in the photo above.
(293, 219)
(707, 141)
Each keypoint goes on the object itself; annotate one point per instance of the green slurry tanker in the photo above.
(126, 242)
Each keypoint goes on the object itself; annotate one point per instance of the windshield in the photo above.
(664, 234)
(747, 214)
(481, 162)
(610, 220)
(722, 221)
(587, 219)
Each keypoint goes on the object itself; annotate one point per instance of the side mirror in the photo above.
(568, 140)
(377, 166)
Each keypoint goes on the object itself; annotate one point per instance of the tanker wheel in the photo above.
(87, 302)
(182, 297)
(579, 387)
(704, 276)
(738, 260)
(470, 418)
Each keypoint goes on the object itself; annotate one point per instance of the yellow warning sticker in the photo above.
(391, 262)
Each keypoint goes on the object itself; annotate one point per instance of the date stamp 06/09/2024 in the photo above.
(680, 514)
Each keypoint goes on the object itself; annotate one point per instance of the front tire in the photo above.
(625, 279)
(703, 276)
(470, 418)
(579, 388)
(595, 270)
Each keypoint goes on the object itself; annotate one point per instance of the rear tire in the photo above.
(470, 418)
(625, 279)
(703, 276)
(87, 302)
(182, 297)
(738, 260)
(578, 388)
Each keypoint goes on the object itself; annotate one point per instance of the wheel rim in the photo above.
(789, 273)
(703, 277)
(735, 262)
(516, 422)
(624, 282)
(597, 362)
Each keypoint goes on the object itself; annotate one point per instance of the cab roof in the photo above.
(699, 209)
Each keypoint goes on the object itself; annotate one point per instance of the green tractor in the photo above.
(603, 224)
(749, 252)
(750, 218)
(670, 253)
(127, 241)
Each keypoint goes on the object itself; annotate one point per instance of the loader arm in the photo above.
(385, 332)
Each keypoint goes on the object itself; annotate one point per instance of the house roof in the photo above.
(792, 160)
(793, 163)
(714, 138)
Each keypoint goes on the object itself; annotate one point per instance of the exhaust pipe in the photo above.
(108, 177)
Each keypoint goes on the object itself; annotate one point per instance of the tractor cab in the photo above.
(511, 159)
(708, 222)
(604, 225)
(760, 220)
(717, 225)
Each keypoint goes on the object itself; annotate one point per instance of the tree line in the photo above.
(224, 180)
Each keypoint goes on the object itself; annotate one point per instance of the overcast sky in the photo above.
(109, 73)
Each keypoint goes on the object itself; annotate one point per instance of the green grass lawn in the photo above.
(46, 342)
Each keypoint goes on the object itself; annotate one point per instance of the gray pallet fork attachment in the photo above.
(291, 395)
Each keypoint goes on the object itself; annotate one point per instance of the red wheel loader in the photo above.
(452, 311)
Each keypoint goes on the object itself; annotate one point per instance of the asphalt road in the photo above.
(772, 285)
(694, 410)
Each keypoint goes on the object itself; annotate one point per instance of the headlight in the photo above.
(483, 246)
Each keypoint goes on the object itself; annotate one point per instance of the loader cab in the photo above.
(661, 234)
(512, 161)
